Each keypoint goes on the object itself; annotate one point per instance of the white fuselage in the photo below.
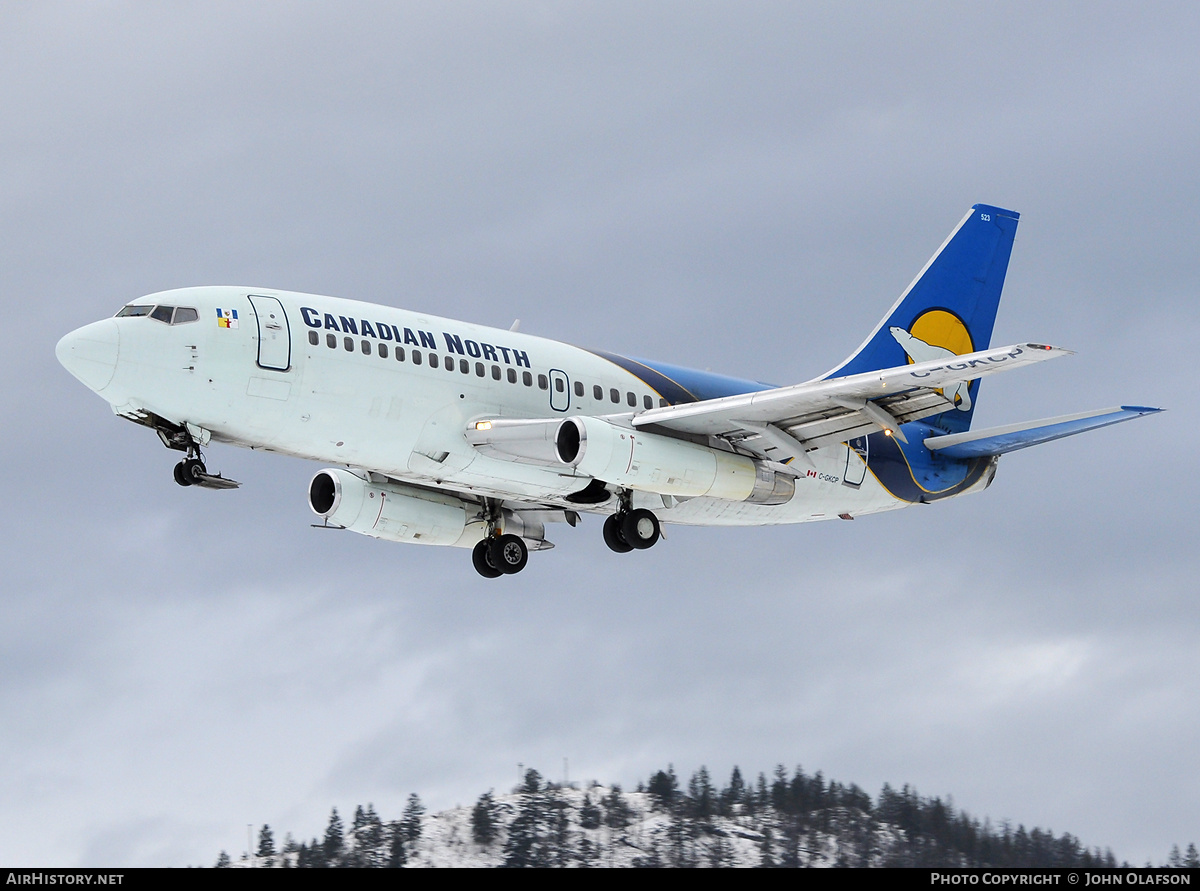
(315, 383)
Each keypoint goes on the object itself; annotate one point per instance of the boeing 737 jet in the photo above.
(448, 433)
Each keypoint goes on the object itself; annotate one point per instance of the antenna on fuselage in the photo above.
(515, 326)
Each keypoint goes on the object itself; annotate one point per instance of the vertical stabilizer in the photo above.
(949, 309)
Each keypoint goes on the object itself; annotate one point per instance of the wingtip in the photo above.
(1142, 409)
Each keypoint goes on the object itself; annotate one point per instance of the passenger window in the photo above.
(331, 341)
(662, 403)
(495, 372)
(578, 388)
(479, 372)
(597, 391)
(512, 375)
(558, 384)
(615, 395)
(543, 383)
(647, 401)
(449, 363)
(399, 354)
(527, 378)
(416, 357)
(314, 338)
(383, 351)
(464, 366)
(433, 360)
(128, 311)
(185, 314)
(348, 343)
(631, 399)
(162, 314)
(366, 347)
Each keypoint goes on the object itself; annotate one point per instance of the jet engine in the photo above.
(393, 512)
(651, 462)
(405, 513)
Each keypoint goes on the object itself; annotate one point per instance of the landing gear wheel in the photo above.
(181, 475)
(640, 529)
(613, 537)
(194, 470)
(483, 562)
(508, 554)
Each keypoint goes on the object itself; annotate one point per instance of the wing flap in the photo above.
(821, 412)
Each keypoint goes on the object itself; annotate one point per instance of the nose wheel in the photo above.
(190, 472)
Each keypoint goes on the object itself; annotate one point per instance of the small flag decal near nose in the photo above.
(227, 318)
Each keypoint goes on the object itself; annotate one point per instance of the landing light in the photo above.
(483, 425)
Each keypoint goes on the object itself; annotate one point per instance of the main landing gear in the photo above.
(498, 554)
(631, 529)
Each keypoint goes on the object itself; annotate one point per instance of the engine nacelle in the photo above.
(651, 462)
(393, 512)
(397, 512)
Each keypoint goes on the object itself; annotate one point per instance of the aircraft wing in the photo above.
(787, 422)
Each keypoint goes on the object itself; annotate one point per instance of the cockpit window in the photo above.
(172, 315)
(133, 310)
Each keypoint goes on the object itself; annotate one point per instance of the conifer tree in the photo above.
(397, 852)
(617, 813)
(354, 854)
(411, 820)
(559, 828)
(700, 795)
(533, 782)
(732, 795)
(222, 860)
(766, 857)
(525, 845)
(483, 819)
(334, 841)
(266, 845)
(316, 856)
(369, 840)
(664, 789)
(589, 813)
(1192, 860)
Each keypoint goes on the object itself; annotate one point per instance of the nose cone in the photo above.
(90, 353)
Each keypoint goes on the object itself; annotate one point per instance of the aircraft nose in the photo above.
(90, 353)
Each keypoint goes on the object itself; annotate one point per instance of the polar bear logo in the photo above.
(918, 350)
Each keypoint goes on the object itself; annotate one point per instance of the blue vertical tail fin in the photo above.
(949, 309)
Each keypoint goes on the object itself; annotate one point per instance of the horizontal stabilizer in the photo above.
(999, 440)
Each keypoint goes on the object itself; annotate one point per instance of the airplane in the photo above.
(447, 433)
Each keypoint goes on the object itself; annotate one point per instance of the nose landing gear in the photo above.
(191, 470)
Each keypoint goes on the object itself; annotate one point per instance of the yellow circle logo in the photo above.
(942, 329)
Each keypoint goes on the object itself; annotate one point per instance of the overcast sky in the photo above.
(745, 187)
